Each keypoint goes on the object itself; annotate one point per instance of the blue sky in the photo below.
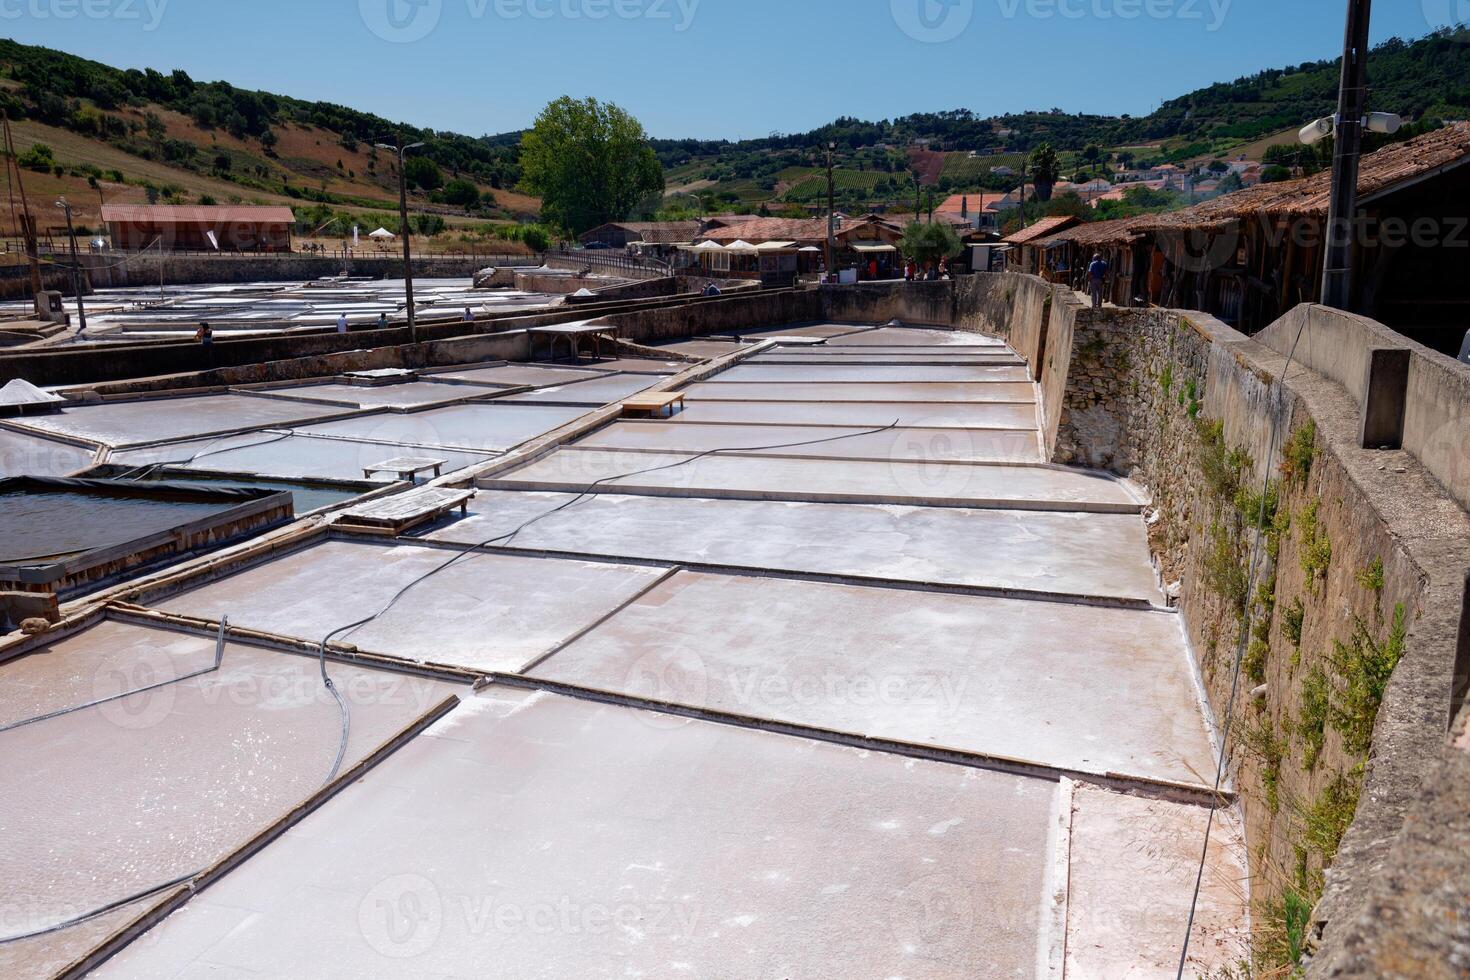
(711, 68)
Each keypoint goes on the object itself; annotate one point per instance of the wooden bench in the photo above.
(654, 404)
(406, 467)
(397, 514)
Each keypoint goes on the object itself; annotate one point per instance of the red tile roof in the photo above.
(1042, 228)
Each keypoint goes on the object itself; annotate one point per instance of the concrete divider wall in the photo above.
(511, 346)
(726, 315)
(931, 303)
(1419, 398)
(112, 269)
(1437, 419)
(1007, 305)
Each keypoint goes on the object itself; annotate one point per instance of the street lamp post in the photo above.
(401, 150)
(76, 282)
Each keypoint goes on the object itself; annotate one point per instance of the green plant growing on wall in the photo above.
(1292, 618)
(1279, 941)
(1311, 722)
(1254, 664)
(1268, 747)
(1327, 819)
(1166, 378)
(1366, 664)
(1300, 451)
(1371, 578)
(1316, 553)
(1257, 506)
(1225, 575)
(1220, 464)
(1258, 654)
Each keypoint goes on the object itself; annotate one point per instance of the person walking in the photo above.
(204, 334)
(382, 321)
(341, 322)
(468, 316)
(1097, 272)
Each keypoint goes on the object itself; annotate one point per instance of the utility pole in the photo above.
(400, 149)
(1337, 269)
(831, 210)
(1023, 192)
(76, 267)
(28, 227)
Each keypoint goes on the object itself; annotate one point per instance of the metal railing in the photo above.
(604, 260)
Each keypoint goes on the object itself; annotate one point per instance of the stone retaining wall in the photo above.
(1363, 566)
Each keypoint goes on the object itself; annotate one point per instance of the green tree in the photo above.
(590, 162)
(927, 242)
(461, 193)
(39, 158)
(1046, 170)
(423, 172)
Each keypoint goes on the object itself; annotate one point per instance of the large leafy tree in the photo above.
(927, 242)
(590, 162)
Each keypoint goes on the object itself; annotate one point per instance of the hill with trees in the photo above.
(128, 133)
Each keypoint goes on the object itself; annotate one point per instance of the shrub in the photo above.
(1311, 725)
(1366, 664)
(1300, 451)
(1291, 621)
(38, 158)
(1316, 554)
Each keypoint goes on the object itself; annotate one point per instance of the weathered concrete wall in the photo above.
(1007, 305)
(630, 289)
(109, 269)
(511, 346)
(1363, 567)
(930, 303)
(721, 315)
(1419, 397)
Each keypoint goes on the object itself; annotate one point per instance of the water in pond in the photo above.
(41, 526)
(307, 496)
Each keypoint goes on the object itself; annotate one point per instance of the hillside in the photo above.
(134, 136)
(1421, 79)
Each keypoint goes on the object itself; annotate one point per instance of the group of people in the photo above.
(930, 272)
